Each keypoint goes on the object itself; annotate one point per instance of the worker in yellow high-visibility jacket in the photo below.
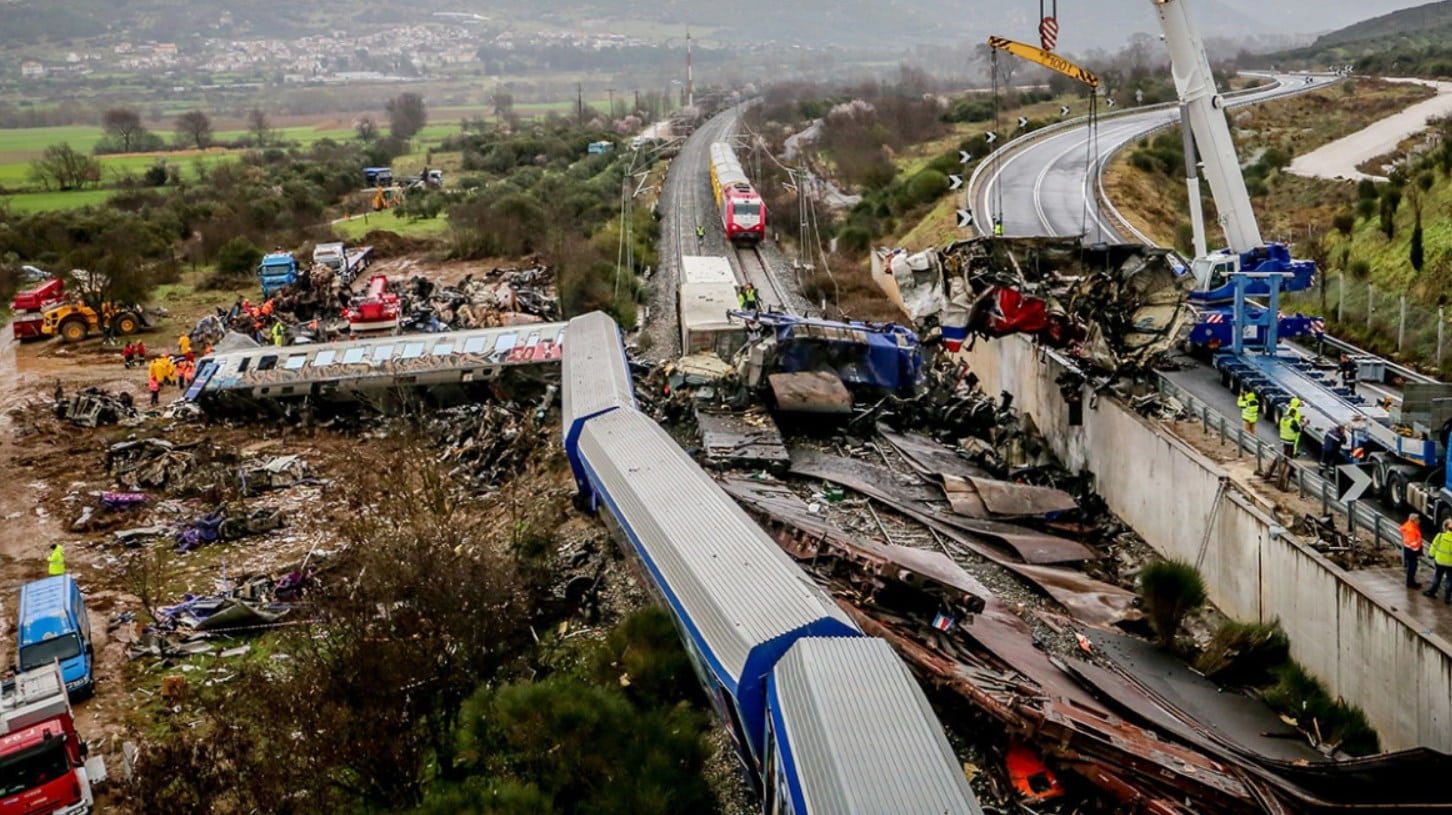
(1249, 410)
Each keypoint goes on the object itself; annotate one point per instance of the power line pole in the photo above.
(580, 104)
(690, 76)
(611, 91)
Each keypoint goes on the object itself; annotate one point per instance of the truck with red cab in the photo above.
(44, 768)
(28, 308)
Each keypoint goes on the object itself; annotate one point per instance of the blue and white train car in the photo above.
(851, 731)
(827, 721)
(740, 601)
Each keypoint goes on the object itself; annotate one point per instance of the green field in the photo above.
(47, 201)
(356, 228)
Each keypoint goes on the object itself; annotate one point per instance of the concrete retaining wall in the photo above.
(1167, 491)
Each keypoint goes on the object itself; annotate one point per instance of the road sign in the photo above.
(1110, 101)
(1063, 110)
(955, 182)
(965, 219)
(1049, 33)
(1022, 122)
(964, 156)
(990, 137)
(1138, 97)
(1360, 480)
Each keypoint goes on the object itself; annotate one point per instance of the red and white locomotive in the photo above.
(743, 215)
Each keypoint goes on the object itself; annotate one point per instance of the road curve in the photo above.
(1046, 186)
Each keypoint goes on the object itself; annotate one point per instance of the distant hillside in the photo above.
(895, 24)
(1417, 23)
(1412, 42)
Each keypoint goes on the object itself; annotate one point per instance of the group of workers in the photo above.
(1292, 423)
(1439, 550)
(266, 327)
(165, 369)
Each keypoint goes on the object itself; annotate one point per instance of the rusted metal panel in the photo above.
(1008, 498)
(810, 392)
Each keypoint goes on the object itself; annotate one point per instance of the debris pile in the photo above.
(1116, 309)
(226, 525)
(154, 462)
(93, 407)
(486, 443)
(505, 296)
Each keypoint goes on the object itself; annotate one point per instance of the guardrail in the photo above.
(975, 178)
(1311, 485)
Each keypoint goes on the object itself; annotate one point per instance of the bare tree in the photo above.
(63, 167)
(259, 126)
(194, 128)
(367, 129)
(124, 125)
(406, 115)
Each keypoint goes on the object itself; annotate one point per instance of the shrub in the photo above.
(236, 262)
(1244, 653)
(1170, 590)
(1301, 696)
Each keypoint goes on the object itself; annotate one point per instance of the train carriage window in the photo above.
(382, 352)
(295, 362)
(413, 350)
(476, 345)
(354, 355)
(324, 358)
(267, 363)
(443, 349)
(242, 366)
(747, 209)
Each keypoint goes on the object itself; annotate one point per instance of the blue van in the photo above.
(54, 625)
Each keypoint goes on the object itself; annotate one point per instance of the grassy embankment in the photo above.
(1287, 206)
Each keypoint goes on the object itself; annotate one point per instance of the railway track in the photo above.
(751, 267)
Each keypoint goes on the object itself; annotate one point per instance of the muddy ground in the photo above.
(53, 470)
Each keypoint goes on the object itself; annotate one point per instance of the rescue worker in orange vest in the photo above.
(1412, 548)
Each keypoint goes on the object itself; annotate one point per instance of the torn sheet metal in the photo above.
(890, 488)
(748, 438)
(929, 457)
(818, 392)
(1113, 307)
(1146, 773)
(1008, 498)
(903, 564)
(1089, 600)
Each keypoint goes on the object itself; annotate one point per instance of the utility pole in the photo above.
(611, 91)
(637, 101)
(580, 104)
(690, 77)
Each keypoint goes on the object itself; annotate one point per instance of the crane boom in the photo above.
(1048, 59)
(1196, 87)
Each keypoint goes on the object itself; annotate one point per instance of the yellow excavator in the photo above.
(74, 322)
(387, 198)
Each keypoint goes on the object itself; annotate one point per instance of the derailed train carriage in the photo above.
(442, 368)
(825, 719)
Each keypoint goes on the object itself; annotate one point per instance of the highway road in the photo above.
(1046, 187)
